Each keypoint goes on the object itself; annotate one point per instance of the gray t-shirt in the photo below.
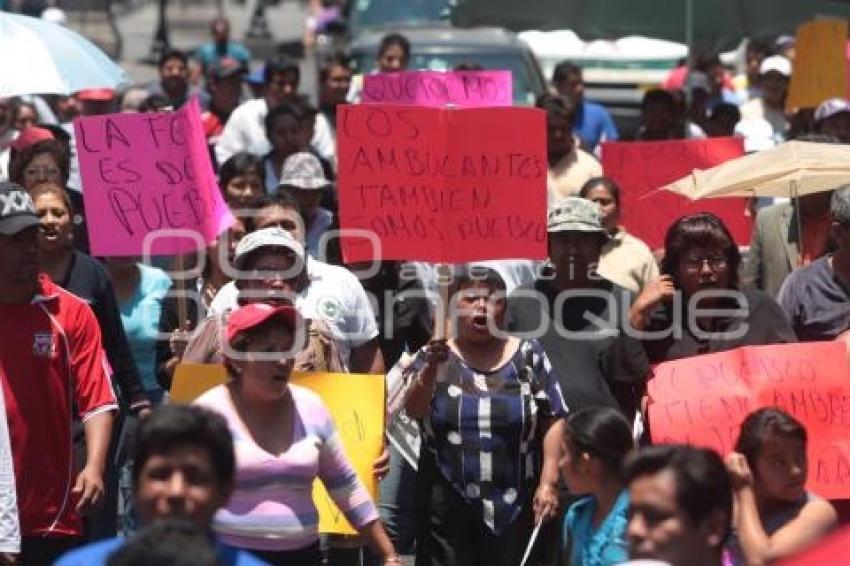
(816, 302)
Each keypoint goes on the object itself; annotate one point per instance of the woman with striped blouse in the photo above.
(491, 414)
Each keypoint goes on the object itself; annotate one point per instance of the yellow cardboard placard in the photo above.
(820, 64)
(356, 403)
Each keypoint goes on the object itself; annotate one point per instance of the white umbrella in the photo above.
(39, 57)
(790, 169)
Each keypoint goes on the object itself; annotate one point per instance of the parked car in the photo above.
(442, 48)
(364, 15)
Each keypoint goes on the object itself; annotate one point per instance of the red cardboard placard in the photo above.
(640, 168)
(441, 185)
(703, 400)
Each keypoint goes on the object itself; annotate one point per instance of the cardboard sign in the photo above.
(704, 399)
(434, 88)
(357, 404)
(147, 173)
(640, 168)
(441, 185)
(820, 66)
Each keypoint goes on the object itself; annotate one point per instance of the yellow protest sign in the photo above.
(356, 403)
(193, 380)
(820, 64)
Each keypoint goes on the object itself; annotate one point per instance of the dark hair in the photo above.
(606, 182)
(285, 109)
(728, 109)
(556, 106)
(280, 66)
(394, 39)
(307, 110)
(706, 61)
(465, 275)
(19, 161)
(154, 103)
(603, 433)
(282, 199)
(702, 483)
(53, 188)
(758, 47)
(658, 95)
(468, 66)
(238, 165)
(702, 229)
(763, 424)
(564, 70)
(172, 54)
(173, 426)
(176, 542)
(16, 105)
(335, 59)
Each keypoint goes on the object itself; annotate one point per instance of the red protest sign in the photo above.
(704, 399)
(441, 185)
(149, 182)
(640, 168)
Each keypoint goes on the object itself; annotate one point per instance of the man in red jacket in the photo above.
(51, 363)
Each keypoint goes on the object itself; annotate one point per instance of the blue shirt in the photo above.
(208, 53)
(97, 553)
(592, 123)
(601, 546)
(140, 316)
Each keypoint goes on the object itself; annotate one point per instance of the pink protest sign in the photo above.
(146, 176)
(434, 88)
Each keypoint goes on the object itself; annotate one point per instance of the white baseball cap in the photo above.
(776, 63)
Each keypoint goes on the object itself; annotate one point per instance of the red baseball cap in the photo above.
(30, 136)
(96, 94)
(254, 314)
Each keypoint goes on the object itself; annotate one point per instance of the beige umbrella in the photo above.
(790, 169)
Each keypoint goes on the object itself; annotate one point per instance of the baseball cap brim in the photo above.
(18, 223)
(257, 240)
(255, 314)
(96, 94)
(306, 184)
(576, 227)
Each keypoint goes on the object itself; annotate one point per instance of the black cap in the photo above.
(17, 211)
(226, 67)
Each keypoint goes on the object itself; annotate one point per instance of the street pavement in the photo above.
(188, 24)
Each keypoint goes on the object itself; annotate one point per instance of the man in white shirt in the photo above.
(333, 295)
(774, 77)
(245, 131)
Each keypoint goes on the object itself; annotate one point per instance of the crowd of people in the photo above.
(521, 418)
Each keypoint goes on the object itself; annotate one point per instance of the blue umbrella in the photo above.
(39, 57)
